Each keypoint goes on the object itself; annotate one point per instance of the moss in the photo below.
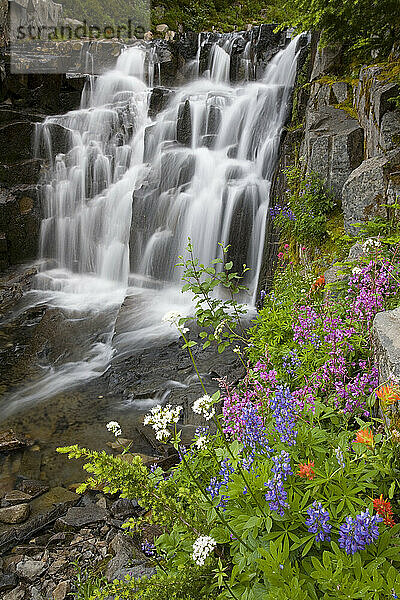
(348, 108)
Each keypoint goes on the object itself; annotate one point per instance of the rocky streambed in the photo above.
(44, 525)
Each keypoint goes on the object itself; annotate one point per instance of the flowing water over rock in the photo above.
(201, 168)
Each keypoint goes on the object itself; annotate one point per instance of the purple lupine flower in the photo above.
(222, 479)
(318, 522)
(339, 457)
(253, 435)
(358, 532)
(291, 362)
(148, 549)
(281, 465)
(276, 495)
(284, 412)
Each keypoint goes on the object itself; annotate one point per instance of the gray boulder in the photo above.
(373, 183)
(386, 338)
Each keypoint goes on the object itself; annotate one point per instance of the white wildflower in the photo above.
(114, 427)
(184, 330)
(204, 406)
(171, 317)
(162, 435)
(201, 442)
(160, 418)
(236, 349)
(356, 271)
(370, 244)
(202, 547)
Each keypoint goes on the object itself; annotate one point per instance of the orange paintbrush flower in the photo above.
(384, 509)
(388, 393)
(306, 470)
(365, 436)
(318, 284)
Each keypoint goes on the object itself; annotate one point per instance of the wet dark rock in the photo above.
(45, 509)
(8, 581)
(209, 140)
(16, 141)
(213, 119)
(14, 514)
(16, 497)
(26, 171)
(159, 99)
(55, 135)
(9, 440)
(124, 508)
(80, 516)
(32, 487)
(184, 124)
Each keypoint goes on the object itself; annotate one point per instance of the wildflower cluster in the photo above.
(202, 548)
(358, 532)
(115, 428)
(161, 418)
(384, 509)
(318, 522)
(284, 413)
(204, 406)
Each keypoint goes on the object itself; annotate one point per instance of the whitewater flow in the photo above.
(202, 169)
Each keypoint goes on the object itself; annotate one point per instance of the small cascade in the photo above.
(125, 193)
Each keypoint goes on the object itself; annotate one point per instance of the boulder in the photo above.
(184, 124)
(31, 569)
(8, 581)
(61, 591)
(14, 514)
(9, 440)
(373, 183)
(162, 28)
(17, 593)
(386, 339)
(79, 516)
(124, 508)
(16, 497)
(333, 145)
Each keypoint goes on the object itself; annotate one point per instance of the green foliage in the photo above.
(362, 26)
(220, 318)
(190, 583)
(220, 15)
(87, 585)
(307, 205)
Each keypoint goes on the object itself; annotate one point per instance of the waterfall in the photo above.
(122, 199)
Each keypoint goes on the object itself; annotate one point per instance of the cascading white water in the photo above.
(202, 169)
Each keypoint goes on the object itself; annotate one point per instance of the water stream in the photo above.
(202, 168)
